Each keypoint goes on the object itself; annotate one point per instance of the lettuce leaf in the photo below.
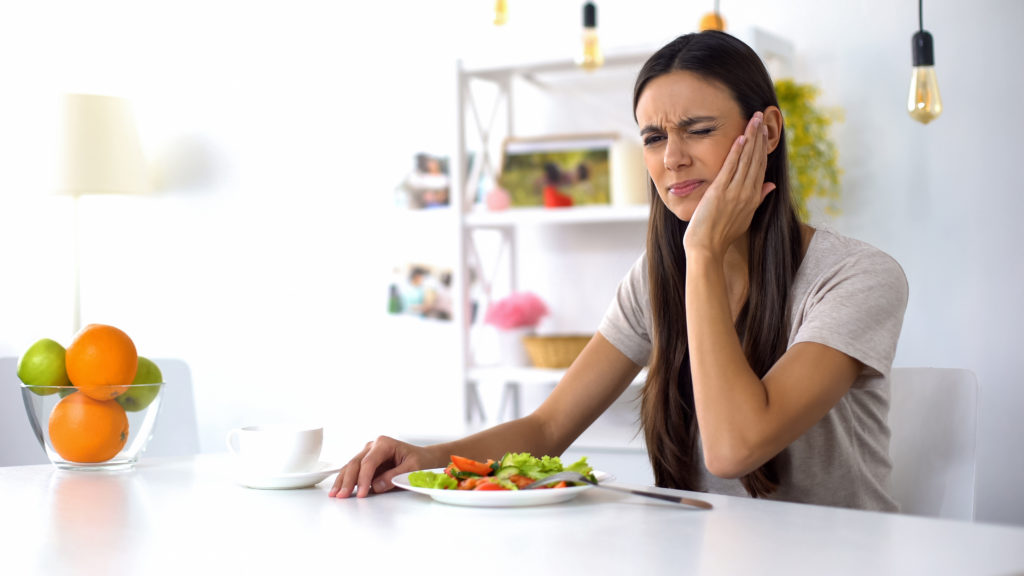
(527, 465)
(544, 466)
(427, 479)
(582, 467)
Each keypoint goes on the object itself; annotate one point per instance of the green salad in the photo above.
(515, 470)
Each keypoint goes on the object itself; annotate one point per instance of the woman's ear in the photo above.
(773, 121)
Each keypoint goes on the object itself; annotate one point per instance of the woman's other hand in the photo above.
(725, 211)
(376, 465)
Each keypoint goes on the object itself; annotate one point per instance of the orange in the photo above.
(101, 361)
(712, 21)
(86, 430)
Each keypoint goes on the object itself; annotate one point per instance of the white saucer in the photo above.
(287, 481)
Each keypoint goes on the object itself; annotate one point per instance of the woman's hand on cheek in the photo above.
(725, 211)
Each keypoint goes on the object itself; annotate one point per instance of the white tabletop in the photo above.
(188, 516)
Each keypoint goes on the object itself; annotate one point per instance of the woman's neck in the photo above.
(806, 234)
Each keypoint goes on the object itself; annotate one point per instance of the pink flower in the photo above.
(517, 310)
(498, 199)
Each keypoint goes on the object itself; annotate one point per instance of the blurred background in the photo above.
(277, 132)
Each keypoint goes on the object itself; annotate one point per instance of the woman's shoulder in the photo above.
(832, 255)
(829, 248)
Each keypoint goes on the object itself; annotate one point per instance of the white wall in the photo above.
(264, 263)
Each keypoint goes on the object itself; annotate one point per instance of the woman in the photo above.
(768, 343)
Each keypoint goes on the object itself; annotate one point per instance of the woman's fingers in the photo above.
(382, 450)
(403, 463)
(766, 187)
(732, 162)
(734, 176)
(376, 466)
(754, 144)
(758, 158)
(346, 480)
(360, 470)
(755, 173)
(738, 189)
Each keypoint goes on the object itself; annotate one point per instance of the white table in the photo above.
(187, 516)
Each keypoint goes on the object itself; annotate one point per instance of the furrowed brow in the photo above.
(689, 122)
(683, 124)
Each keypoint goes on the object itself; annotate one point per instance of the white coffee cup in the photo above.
(272, 450)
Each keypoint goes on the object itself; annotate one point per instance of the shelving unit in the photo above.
(505, 83)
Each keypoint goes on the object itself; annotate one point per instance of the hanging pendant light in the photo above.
(500, 12)
(924, 103)
(591, 57)
(712, 21)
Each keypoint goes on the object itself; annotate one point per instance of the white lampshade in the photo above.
(100, 150)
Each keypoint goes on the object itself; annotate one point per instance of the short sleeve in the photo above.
(626, 323)
(857, 307)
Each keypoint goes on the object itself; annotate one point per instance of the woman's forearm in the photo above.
(729, 398)
(520, 435)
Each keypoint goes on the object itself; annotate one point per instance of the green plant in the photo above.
(813, 158)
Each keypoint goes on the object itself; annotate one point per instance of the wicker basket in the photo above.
(556, 351)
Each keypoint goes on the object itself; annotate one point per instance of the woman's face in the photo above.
(688, 124)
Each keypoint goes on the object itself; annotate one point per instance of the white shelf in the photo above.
(439, 216)
(521, 375)
(576, 215)
(625, 58)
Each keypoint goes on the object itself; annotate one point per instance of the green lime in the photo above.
(136, 398)
(41, 367)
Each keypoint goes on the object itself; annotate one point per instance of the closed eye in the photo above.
(701, 132)
(652, 139)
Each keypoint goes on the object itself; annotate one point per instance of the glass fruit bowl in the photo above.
(78, 431)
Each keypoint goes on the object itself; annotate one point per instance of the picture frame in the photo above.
(557, 171)
(421, 289)
(428, 184)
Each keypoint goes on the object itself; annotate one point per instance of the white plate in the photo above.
(496, 498)
(287, 481)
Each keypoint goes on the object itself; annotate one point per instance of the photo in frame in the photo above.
(557, 171)
(420, 289)
(427, 185)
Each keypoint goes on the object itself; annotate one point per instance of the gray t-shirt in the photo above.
(847, 295)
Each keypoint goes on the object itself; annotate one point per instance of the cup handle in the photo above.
(232, 440)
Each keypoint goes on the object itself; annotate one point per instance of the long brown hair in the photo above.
(667, 410)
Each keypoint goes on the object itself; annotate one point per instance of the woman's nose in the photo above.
(676, 155)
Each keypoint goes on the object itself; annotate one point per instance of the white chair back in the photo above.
(18, 444)
(174, 434)
(933, 417)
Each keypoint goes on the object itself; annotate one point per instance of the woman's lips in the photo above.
(684, 188)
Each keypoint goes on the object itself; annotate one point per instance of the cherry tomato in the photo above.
(467, 465)
(486, 484)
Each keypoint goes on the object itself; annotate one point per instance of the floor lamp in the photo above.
(100, 154)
